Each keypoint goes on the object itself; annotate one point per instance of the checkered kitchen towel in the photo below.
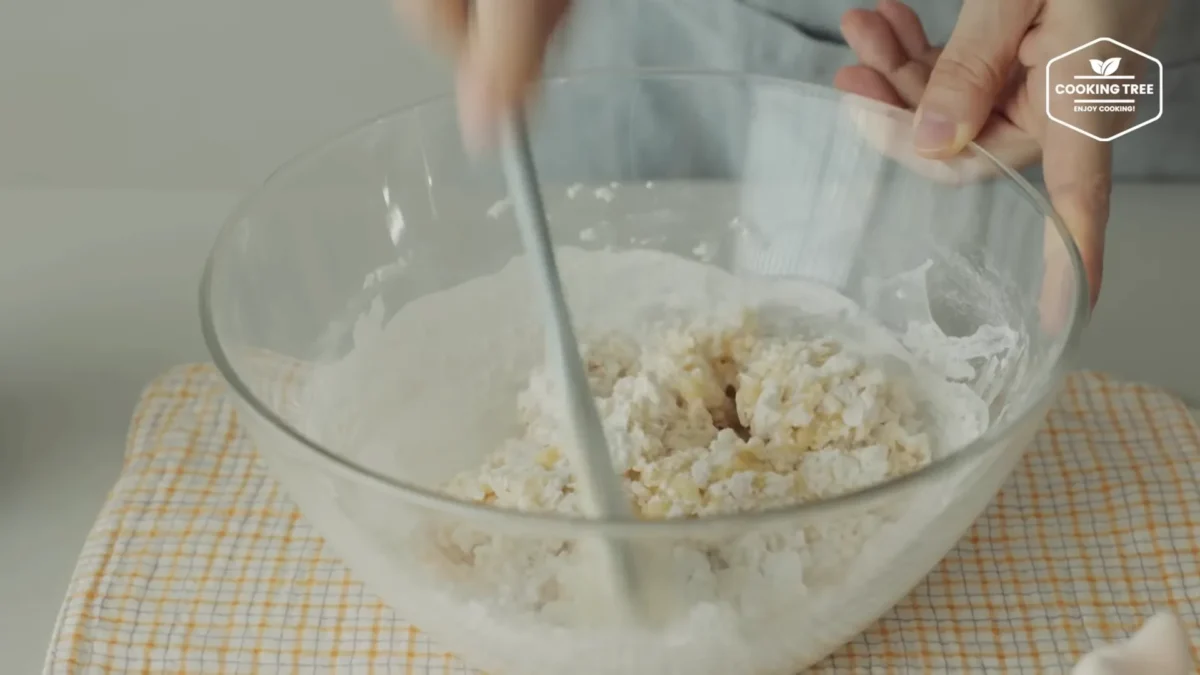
(198, 563)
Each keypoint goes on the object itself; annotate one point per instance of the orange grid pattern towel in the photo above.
(198, 563)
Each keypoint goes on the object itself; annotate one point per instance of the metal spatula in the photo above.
(599, 486)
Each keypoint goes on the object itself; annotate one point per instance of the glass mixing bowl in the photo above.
(363, 418)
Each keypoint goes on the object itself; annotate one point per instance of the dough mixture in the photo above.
(703, 417)
(707, 418)
(718, 393)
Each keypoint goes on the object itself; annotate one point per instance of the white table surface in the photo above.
(100, 296)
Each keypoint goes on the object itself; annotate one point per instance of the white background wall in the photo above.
(162, 112)
(191, 94)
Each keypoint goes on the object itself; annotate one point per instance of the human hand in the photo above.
(988, 85)
(498, 47)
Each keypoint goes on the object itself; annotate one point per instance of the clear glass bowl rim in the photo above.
(574, 526)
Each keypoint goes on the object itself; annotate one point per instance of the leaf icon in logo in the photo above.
(1097, 66)
(1110, 66)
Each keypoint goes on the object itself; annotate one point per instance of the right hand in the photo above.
(498, 47)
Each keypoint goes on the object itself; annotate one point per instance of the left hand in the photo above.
(988, 85)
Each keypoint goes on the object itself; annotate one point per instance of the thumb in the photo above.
(1078, 177)
(970, 73)
(503, 58)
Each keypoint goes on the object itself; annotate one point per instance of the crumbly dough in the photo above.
(714, 417)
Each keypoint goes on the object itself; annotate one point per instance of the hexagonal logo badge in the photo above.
(1104, 89)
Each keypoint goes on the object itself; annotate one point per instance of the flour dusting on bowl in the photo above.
(719, 395)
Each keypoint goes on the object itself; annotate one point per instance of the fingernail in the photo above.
(935, 131)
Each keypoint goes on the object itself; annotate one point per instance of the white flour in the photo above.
(447, 370)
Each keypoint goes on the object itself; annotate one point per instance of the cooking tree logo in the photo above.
(1104, 89)
(1106, 68)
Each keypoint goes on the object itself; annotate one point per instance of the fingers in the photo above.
(443, 22)
(876, 43)
(504, 52)
(1078, 175)
(971, 72)
(499, 46)
(895, 60)
(907, 26)
(868, 83)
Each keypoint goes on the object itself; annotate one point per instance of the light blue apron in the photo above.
(800, 39)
